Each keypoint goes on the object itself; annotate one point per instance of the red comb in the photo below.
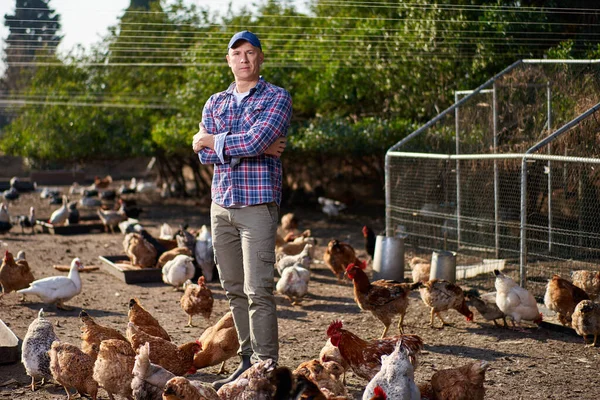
(201, 280)
(363, 265)
(378, 391)
(350, 266)
(334, 327)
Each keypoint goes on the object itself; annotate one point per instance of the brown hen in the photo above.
(140, 252)
(561, 297)
(14, 275)
(196, 299)
(441, 295)
(383, 298)
(219, 343)
(179, 388)
(338, 256)
(171, 254)
(72, 368)
(464, 383)
(92, 334)
(145, 321)
(178, 360)
(588, 281)
(364, 357)
(329, 384)
(113, 366)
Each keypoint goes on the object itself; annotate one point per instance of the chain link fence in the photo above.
(511, 171)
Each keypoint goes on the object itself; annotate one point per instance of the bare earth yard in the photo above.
(541, 364)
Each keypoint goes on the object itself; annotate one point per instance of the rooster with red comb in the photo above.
(364, 357)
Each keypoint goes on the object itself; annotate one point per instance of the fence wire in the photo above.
(458, 184)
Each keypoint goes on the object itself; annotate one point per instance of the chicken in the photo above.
(90, 202)
(294, 283)
(204, 253)
(92, 334)
(166, 232)
(113, 366)
(514, 301)
(463, 383)
(144, 320)
(74, 216)
(383, 298)
(102, 183)
(289, 223)
(5, 224)
(396, 377)
(364, 357)
(179, 388)
(369, 236)
(130, 208)
(588, 281)
(171, 254)
(298, 244)
(178, 270)
(149, 379)
(178, 360)
(110, 219)
(254, 383)
(304, 259)
(196, 299)
(420, 269)
(441, 295)
(586, 320)
(486, 305)
(331, 207)
(14, 274)
(185, 238)
(561, 297)
(338, 256)
(331, 354)
(27, 221)
(35, 347)
(328, 383)
(60, 215)
(219, 343)
(72, 368)
(139, 250)
(57, 289)
(378, 394)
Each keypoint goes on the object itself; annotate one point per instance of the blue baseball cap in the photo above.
(247, 36)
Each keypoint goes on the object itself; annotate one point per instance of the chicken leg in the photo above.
(189, 324)
(400, 328)
(222, 369)
(433, 313)
(61, 306)
(387, 327)
(593, 344)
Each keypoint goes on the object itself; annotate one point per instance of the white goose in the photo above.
(57, 289)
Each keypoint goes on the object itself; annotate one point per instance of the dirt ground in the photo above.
(540, 364)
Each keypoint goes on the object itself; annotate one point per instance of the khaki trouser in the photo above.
(244, 245)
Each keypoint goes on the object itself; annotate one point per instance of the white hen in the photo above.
(35, 347)
(304, 259)
(57, 289)
(331, 207)
(396, 377)
(294, 283)
(178, 270)
(204, 253)
(60, 216)
(515, 301)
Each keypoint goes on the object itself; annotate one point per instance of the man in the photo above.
(243, 134)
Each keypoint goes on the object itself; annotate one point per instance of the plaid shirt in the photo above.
(243, 174)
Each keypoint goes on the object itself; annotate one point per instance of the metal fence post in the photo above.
(549, 99)
(457, 127)
(523, 232)
(496, 177)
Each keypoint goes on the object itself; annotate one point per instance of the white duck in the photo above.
(60, 216)
(57, 289)
(178, 270)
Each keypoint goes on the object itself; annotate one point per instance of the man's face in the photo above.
(245, 61)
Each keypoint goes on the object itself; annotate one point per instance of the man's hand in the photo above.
(202, 139)
(276, 149)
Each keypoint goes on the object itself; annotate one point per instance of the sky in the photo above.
(85, 22)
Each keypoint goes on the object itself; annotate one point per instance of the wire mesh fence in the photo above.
(511, 171)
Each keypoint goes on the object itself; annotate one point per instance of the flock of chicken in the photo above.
(145, 364)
